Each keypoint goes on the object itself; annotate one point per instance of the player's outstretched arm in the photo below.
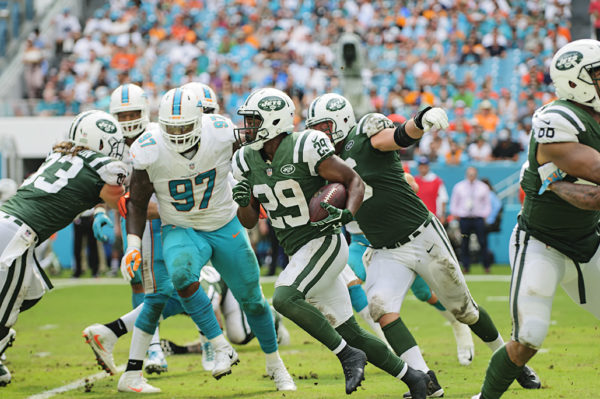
(385, 137)
(334, 170)
(140, 191)
(576, 159)
(582, 196)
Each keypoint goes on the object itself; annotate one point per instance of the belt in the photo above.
(11, 218)
(412, 235)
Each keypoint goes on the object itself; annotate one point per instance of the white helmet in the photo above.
(8, 188)
(571, 72)
(267, 113)
(180, 119)
(334, 108)
(206, 95)
(130, 97)
(98, 131)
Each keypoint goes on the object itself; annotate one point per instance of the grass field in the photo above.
(50, 352)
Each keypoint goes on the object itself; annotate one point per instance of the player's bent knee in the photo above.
(466, 314)
(376, 307)
(283, 299)
(238, 336)
(532, 333)
(254, 308)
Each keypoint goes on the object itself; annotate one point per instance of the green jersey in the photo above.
(547, 217)
(63, 187)
(285, 186)
(390, 211)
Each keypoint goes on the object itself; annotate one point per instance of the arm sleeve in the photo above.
(313, 147)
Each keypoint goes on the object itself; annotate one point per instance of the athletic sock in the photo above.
(200, 309)
(414, 358)
(129, 319)
(134, 365)
(398, 336)
(155, 339)
(291, 303)
(376, 350)
(358, 297)
(500, 373)
(484, 328)
(140, 341)
(118, 327)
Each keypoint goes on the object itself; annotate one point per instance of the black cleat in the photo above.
(434, 389)
(529, 379)
(353, 363)
(419, 384)
(171, 348)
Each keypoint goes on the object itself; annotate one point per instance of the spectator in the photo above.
(494, 219)
(486, 117)
(34, 75)
(480, 150)
(67, 27)
(470, 205)
(464, 96)
(82, 227)
(431, 189)
(494, 43)
(506, 148)
(507, 107)
(455, 154)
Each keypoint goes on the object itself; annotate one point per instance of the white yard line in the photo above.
(75, 384)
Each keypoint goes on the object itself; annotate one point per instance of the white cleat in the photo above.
(465, 349)
(156, 362)
(208, 356)
(7, 341)
(225, 357)
(283, 379)
(476, 396)
(5, 376)
(133, 381)
(102, 341)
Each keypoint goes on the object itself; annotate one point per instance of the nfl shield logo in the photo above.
(269, 172)
(192, 166)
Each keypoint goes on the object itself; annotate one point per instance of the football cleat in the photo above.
(434, 389)
(478, 396)
(102, 341)
(4, 375)
(465, 349)
(171, 348)
(208, 356)
(529, 379)
(133, 381)
(283, 379)
(225, 357)
(156, 362)
(419, 384)
(7, 341)
(353, 364)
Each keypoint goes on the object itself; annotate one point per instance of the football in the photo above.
(333, 194)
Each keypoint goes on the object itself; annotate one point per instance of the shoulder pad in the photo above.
(312, 147)
(556, 124)
(239, 166)
(144, 151)
(220, 127)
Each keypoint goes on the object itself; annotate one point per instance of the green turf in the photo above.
(50, 352)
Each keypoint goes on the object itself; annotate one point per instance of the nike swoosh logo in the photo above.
(546, 122)
(429, 250)
(98, 342)
(235, 235)
(135, 389)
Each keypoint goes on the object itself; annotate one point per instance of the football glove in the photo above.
(103, 227)
(375, 123)
(242, 193)
(122, 205)
(429, 118)
(337, 217)
(133, 257)
(549, 173)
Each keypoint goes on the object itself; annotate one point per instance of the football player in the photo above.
(86, 167)
(187, 165)
(128, 104)
(557, 237)
(282, 169)
(409, 240)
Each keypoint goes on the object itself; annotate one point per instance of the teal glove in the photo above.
(103, 227)
(337, 217)
(242, 193)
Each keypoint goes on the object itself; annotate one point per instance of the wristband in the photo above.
(402, 138)
(418, 118)
(134, 240)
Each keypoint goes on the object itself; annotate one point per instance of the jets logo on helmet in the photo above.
(128, 104)
(267, 114)
(568, 60)
(180, 119)
(206, 96)
(98, 131)
(331, 114)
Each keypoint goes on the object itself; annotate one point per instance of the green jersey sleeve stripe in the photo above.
(297, 151)
(566, 116)
(245, 167)
(238, 161)
(360, 125)
(302, 140)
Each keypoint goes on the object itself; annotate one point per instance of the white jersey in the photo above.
(193, 192)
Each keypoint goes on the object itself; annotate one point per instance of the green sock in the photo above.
(501, 372)
(398, 336)
(484, 328)
(438, 305)
(377, 352)
(291, 303)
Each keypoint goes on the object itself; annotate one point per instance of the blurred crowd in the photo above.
(484, 61)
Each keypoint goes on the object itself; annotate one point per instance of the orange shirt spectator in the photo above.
(123, 61)
(158, 32)
(486, 118)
